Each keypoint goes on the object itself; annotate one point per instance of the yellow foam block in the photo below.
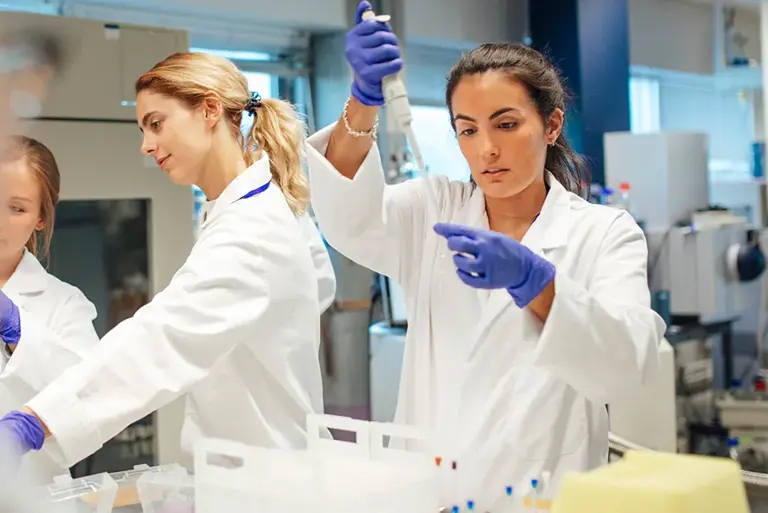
(659, 482)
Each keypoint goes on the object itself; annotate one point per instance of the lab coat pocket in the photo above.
(552, 418)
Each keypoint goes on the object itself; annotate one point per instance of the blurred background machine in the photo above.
(707, 277)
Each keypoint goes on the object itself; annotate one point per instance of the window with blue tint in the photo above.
(236, 55)
(644, 105)
(437, 141)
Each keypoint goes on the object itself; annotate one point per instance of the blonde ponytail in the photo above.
(278, 130)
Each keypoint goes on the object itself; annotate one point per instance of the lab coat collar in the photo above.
(252, 178)
(29, 278)
(554, 218)
(549, 231)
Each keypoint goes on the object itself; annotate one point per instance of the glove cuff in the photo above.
(10, 325)
(28, 428)
(541, 274)
(366, 99)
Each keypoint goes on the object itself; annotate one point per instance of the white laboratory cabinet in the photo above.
(103, 61)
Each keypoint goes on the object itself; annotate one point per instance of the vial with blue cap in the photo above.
(733, 448)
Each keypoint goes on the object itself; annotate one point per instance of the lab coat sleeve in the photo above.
(168, 346)
(45, 350)
(603, 339)
(326, 278)
(378, 226)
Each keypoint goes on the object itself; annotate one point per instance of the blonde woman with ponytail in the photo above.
(237, 329)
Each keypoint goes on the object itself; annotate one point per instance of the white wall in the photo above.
(671, 35)
(464, 21)
(327, 14)
(679, 35)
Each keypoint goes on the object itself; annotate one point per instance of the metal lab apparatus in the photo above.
(701, 282)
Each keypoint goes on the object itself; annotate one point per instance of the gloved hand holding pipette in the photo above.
(372, 51)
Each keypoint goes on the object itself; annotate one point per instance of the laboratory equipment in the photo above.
(398, 106)
(707, 265)
(667, 171)
(657, 482)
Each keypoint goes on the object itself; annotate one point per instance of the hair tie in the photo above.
(254, 103)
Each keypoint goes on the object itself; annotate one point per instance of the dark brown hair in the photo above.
(43, 165)
(545, 87)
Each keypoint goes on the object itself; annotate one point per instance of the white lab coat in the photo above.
(56, 333)
(496, 388)
(237, 329)
(326, 278)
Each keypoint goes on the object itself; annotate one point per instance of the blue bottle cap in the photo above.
(470, 505)
(733, 442)
(534, 483)
(455, 509)
(509, 490)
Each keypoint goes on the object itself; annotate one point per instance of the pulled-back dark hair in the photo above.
(545, 87)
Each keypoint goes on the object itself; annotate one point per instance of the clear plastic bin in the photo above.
(127, 498)
(92, 494)
(172, 492)
(338, 476)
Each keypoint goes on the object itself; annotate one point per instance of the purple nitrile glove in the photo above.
(491, 260)
(10, 322)
(20, 433)
(372, 51)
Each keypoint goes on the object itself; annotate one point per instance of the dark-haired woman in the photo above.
(528, 307)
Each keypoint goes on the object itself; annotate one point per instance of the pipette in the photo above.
(399, 108)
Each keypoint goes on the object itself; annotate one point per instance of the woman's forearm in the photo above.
(345, 151)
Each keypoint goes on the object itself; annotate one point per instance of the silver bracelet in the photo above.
(356, 133)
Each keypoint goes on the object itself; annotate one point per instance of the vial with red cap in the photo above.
(759, 384)
(622, 197)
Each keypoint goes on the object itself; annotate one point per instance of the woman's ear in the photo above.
(212, 109)
(555, 126)
(40, 226)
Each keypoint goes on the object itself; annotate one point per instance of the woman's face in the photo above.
(21, 206)
(175, 135)
(500, 133)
